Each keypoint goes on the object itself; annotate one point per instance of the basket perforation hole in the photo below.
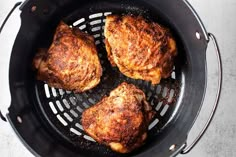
(74, 113)
(76, 23)
(68, 117)
(85, 105)
(152, 102)
(79, 109)
(54, 92)
(172, 147)
(79, 98)
(165, 92)
(33, 8)
(62, 120)
(97, 42)
(54, 110)
(158, 106)
(94, 29)
(139, 82)
(90, 91)
(149, 94)
(152, 87)
(59, 106)
(158, 89)
(68, 92)
(79, 126)
(91, 101)
(107, 13)
(46, 11)
(164, 110)
(172, 92)
(65, 102)
(46, 90)
(95, 22)
(173, 75)
(95, 15)
(198, 35)
(61, 92)
(82, 27)
(88, 138)
(153, 124)
(96, 35)
(19, 119)
(72, 100)
(75, 131)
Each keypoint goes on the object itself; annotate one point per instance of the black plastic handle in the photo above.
(186, 148)
(1, 28)
(8, 15)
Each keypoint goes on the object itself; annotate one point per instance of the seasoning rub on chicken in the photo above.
(139, 48)
(119, 120)
(71, 63)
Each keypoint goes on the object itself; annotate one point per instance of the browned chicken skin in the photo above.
(140, 49)
(120, 120)
(71, 62)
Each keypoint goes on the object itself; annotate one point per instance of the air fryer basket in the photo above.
(64, 108)
(47, 119)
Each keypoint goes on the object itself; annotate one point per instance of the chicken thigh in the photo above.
(139, 48)
(119, 120)
(71, 62)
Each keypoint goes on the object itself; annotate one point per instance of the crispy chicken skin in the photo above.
(119, 120)
(140, 49)
(71, 62)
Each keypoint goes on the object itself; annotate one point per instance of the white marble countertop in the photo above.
(220, 138)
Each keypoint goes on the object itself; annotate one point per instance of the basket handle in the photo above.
(8, 15)
(187, 149)
(5, 80)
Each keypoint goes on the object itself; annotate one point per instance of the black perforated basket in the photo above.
(47, 119)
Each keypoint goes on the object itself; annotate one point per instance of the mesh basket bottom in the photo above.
(64, 108)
